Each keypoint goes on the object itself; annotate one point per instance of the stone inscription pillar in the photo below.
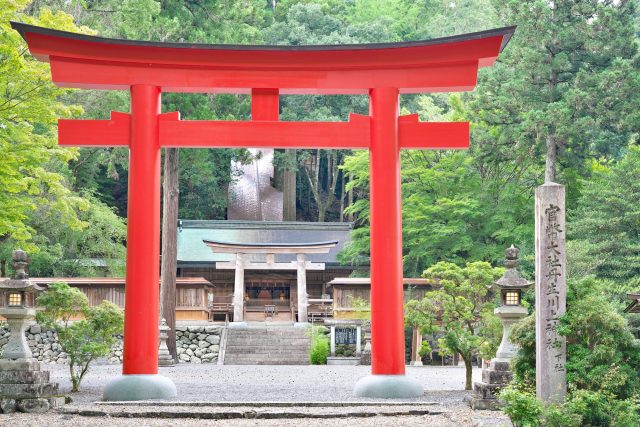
(238, 290)
(551, 292)
(302, 289)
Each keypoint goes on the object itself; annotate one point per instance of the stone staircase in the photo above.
(267, 345)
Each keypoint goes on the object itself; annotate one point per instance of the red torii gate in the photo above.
(382, 71)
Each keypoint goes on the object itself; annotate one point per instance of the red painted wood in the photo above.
(381, 71)
(265, 104)
(354, 134)
(95, 133)
(267, 134)
(387, 307)
(98, 75)
(346, 57)
(143, 235)
(432, 135)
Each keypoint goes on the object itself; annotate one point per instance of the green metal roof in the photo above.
(191, 233)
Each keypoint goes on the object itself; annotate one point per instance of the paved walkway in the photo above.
(444, 386)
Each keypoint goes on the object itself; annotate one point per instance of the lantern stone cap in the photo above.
(20, 280)
(511, 278)
(20, 285)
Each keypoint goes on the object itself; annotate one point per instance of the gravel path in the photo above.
(213, 383)
(264, 383)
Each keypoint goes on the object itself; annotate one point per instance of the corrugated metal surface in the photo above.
(191, 249)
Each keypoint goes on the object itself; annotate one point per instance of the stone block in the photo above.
(26, 391)
(212, 329)
(35, 329)
(496, 377)
(37, 406)
(213, 339)
(486, 404)
(23, 377)
(7, 406)
(196, 329)
(19, 365)
(500, 365)
(487, 391)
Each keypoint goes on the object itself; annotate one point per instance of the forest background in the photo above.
(561, 103)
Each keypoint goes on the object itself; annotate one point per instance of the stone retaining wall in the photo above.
(198, 344)
(195, 344)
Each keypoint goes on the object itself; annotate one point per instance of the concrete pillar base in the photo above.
(139, 387)
(388, 387)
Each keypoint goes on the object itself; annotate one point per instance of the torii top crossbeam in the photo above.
(382, 71)
(447, 64)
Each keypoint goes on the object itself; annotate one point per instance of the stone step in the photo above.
(258, 348)
(267, 346)
(287, 344)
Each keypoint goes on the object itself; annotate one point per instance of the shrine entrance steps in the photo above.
(267, 344)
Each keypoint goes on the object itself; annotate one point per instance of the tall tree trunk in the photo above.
(350, 199)
(342, 196)
(468, 371)
(289, 188)
(168, 269)
(550, 161)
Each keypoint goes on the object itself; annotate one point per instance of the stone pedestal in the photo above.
(494, 379)
(509, 316)
(25, 388)
(18, 319)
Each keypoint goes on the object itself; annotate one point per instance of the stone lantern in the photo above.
(498, 375)
(511, 285)
(23, 386)
(19, 296)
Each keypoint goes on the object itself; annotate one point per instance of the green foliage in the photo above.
(606, 223)
(523, 408)
(450, 211)
(89, 336)
(464, 306)
(602, 360)
(602, 354)
(320, 348)
(32, 176)
(567, 81)
(523, 335)
(583, 408)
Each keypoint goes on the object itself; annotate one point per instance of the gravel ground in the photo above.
(213, 383)
(265, 383)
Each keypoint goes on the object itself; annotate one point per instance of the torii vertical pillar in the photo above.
(387, 379)
(140, 379)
